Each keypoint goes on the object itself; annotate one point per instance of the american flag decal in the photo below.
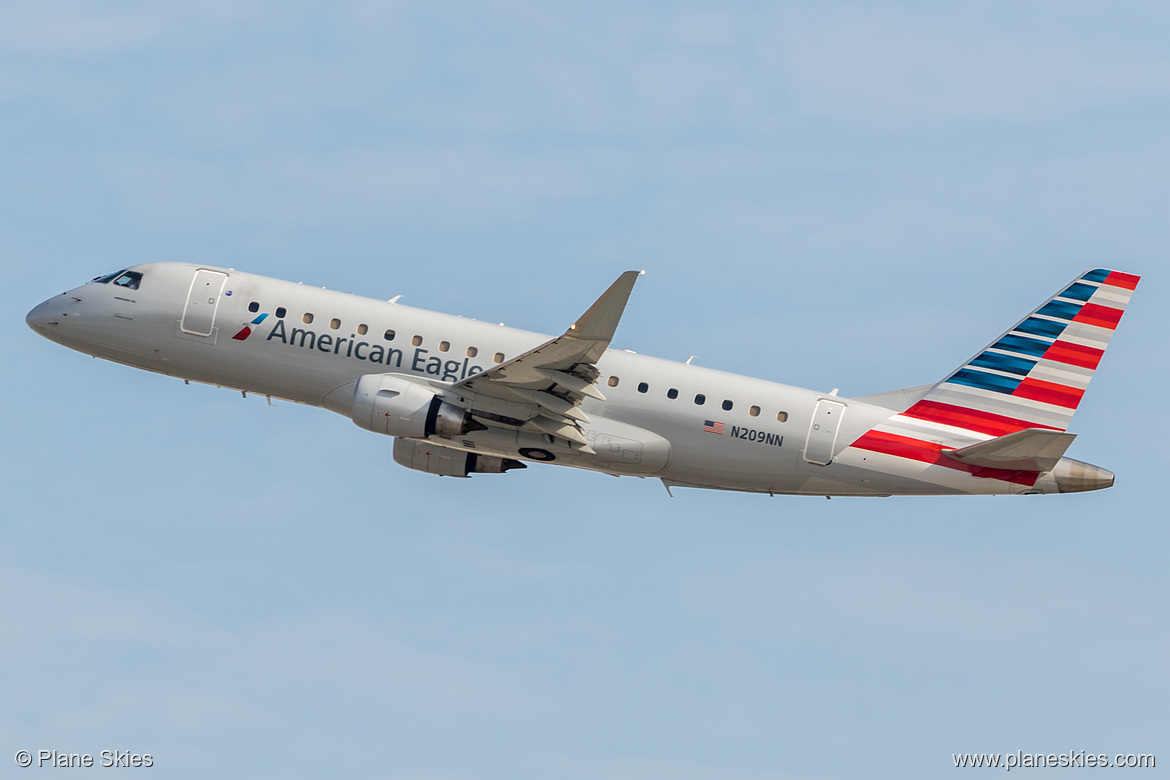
(710, 426)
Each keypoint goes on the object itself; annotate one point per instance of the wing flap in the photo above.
(559, 428)
(572, 383)
(550, 404)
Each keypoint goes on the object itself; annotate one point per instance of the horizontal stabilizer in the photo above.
(1032, 449)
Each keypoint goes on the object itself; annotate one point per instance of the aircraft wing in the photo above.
(543, 388)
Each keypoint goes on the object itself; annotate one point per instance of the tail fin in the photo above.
(1034, 375)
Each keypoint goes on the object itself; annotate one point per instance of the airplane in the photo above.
(463, 397)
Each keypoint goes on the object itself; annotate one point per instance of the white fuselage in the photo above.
(315, 344)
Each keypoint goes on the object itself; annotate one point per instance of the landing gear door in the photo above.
(822, 431)
(202, 303)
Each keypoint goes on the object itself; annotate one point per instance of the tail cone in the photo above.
(1073, 476)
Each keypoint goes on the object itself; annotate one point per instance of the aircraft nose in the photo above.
(39, 318)
(46, 316)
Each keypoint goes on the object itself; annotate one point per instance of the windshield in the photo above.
(129, 280)
(107, 278)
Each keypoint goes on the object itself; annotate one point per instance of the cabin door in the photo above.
(202, 303)
(822, 431)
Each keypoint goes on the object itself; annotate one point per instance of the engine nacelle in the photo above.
(396, 406)
(446, 462)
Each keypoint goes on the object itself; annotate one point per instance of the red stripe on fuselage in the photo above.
(1118, 279)
(1074, 354)
(970, 419)
(929, 452)
(1101, 316)
(899, 446)
(1049, 393)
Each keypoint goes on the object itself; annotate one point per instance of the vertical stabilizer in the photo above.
(1034, 375)
(1030, 379)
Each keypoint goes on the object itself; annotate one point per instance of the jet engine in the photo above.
(396, 406)
(446, 462)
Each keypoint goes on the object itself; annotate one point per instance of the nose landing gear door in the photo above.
(202, 303)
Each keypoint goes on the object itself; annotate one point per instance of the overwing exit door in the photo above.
(202, 303)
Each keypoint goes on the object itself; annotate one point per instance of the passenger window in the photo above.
(389, 335)
(498, 357)
(307, 319)
(643, 387)
(280, 312)
(254, 307)
(363, 329)
(472, 352)
(129, 280)
(672, 393)
(754, 411)
(444, 346)
(417, 341)
(727, 406)
(334, 323)
(613, 381)
(700, 399)
(781, 416)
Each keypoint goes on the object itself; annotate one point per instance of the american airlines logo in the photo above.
(246, 331)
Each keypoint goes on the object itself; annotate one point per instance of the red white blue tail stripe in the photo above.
(1033, 376)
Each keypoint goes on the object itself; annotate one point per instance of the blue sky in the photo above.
(830, 195)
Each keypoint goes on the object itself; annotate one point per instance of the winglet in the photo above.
(601, 320)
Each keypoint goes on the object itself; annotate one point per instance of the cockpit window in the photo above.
(107, 278)
(130, 280)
